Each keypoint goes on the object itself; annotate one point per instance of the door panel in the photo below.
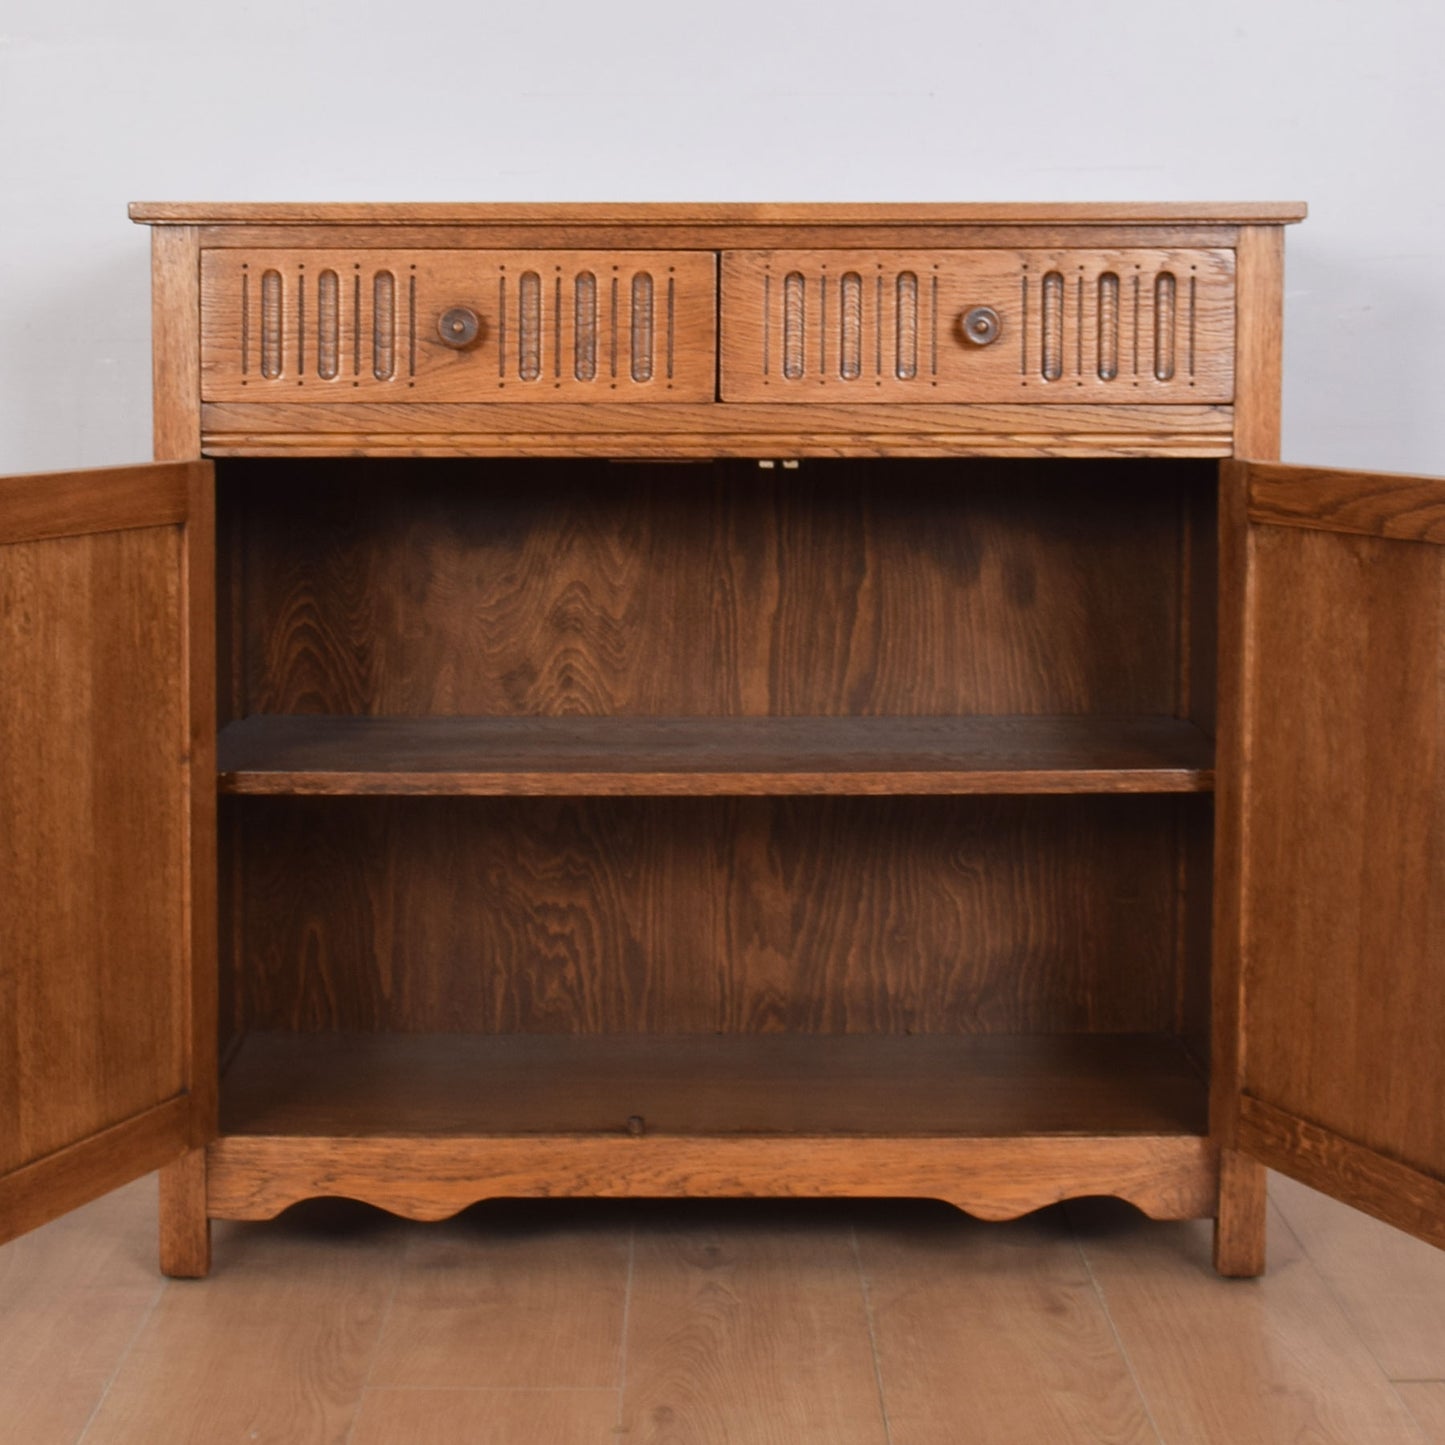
(1342, 921)
(106, 772)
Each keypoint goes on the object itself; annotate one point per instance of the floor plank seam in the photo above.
(1114, 1330)
(486, 1389)
(1322, 1274)
(382, 1323)
(626, 1317)
(125, 1355)
(872, 1336)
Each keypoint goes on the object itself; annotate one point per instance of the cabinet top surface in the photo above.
(629, 213)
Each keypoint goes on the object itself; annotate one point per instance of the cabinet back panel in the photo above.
(507, 588)
(826, 915)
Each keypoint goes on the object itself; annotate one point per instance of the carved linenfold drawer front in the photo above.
(301, 325)
(1072, 325)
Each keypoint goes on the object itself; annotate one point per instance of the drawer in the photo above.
(302, 325)
(979, 326)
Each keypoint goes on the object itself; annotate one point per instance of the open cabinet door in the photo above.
(1338, 778)
(107, 851)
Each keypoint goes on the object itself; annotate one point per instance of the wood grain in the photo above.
(485, 1417)
(1409, 1198)
(185, 1225)
(355, 1085)
(257, 1176)
(75, 1173)
(1347, 647)
(274, 1347)
(637, 915)
(1259, 341)
(96, 860)
(999, 1328)
(1392, 1287)
(1425, 1400)
(53, 505)
(509, 589)
(510, 1296)
(802, 429)
(1252, 1363)
(175, 343)
(603, 213)
(1369, 504)
(907, 308)
(735, 1325)
(576, 756)
(72, 1297)
(532, 347)
(1240, 1227)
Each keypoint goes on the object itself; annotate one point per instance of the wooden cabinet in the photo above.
(721, 700)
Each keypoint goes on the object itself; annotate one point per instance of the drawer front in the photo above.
(979, 326)
(310, 325)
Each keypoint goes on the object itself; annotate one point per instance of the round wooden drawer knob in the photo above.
(980, 325)
(459, 327)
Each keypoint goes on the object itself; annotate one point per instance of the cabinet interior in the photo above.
(925, 847)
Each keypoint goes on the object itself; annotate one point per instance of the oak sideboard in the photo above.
(658, 700)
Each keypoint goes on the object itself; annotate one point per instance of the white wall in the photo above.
(1338, 102)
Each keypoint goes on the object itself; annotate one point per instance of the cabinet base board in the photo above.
(257, 1176)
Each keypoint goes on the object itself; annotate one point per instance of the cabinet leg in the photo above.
(185, 1226)
(1239, 1227)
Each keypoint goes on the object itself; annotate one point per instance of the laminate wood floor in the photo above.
(890, 1323)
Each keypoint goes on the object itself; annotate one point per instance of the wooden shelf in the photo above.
(693, 755)
(356, 1085)
(424, 1125)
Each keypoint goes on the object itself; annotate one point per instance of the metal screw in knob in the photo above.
(459, 327)
(981, 325)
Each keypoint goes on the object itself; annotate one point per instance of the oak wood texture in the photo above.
(1170, 1176)
(1342, 1074)
(583, 756)
(175, 344)
(998, 1335)
(877, 593)
(990, 1330)
(692, 915)
(1239, 1245)
(364, 325)
(1391, 1286)
(1240, 1226)
(802, 429)
(413, 1416)
(1425, 1400)
(456, 1319)
(887, 326)
(763, 1306)
(73, 1295)
(276, 1346)
(435, 1085)
(1250, 1363)
(1366, 504)
(513, 588)
(185, 1226)
(749, 213)
(109, 789)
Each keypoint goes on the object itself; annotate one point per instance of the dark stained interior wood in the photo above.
(752, 755)
(536, 588)
(353, 1085)
(637, 915)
